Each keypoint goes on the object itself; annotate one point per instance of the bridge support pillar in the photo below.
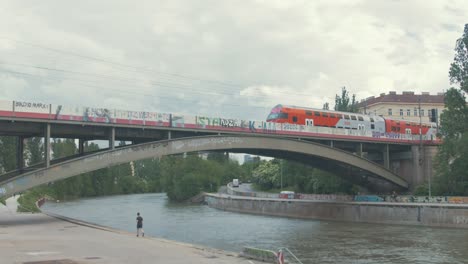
(359, 150)
(386, 156)
(47, 145)
(112, 138)
(81, 146)
(20, 152)
(331, 144)
(169, 135)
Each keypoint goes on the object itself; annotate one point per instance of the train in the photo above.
(288, 121)
(311, 117)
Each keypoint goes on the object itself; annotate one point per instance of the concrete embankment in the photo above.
(422, 214)
(31, 238)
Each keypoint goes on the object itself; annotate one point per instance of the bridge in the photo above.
(360, 155)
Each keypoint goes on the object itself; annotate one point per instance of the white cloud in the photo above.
(230, 58)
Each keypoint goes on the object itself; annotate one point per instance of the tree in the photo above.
(35, 150)
(7, 154)
(452, 159)
(326, 106)
(267, 175)
(342, 103)
(459, 68)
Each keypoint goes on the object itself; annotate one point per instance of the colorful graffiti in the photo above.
(41, 110)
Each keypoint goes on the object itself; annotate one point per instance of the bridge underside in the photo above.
(342, 163)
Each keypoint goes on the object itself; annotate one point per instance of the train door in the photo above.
(309, 122)
(361, 128)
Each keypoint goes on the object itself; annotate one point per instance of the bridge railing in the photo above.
(38, 110)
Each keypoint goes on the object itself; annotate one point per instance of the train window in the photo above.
(360, 118)
(309, 113)
(317, 113)
(332, 115)
(346, 117)
(393, 128)
(407, 123)
(339, 116)
(294, 119)
(398, 129)
(353, 117)
(372, 119)
(325, 114)
(372, 126)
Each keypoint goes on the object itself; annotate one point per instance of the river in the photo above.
(312, 241)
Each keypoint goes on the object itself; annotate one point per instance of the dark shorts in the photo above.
(139, 226)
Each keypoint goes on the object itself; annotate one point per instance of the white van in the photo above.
(235, 183)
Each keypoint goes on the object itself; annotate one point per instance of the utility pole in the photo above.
(421, 159)
(281, 167)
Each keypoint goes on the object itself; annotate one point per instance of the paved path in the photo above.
(38, 237)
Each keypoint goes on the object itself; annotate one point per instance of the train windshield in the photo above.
(277, 116)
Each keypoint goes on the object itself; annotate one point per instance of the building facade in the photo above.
(404, 106)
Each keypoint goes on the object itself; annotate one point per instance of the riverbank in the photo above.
(417, 214)
(29, 237)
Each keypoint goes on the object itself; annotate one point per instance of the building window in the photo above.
(389, 111)
(408, 112)
(415, 111)
(422, 112)
(401, 112)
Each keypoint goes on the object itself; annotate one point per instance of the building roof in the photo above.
(405, 97)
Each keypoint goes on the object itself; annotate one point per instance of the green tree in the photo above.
(458, 72)
(35, 150)
(268, 175)
(451, 163)
(7, 154)
(342, 103)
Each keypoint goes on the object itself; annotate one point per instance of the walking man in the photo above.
(140, 225)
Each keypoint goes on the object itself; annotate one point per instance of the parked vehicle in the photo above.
(286, 195)
(235, 183)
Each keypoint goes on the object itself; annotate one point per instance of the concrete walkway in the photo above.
(44, 239)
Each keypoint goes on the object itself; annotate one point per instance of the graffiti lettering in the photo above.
(230, 123)
(207, 121)
(252, 126)
(31, 105)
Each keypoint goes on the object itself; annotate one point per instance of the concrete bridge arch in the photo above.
(318, 155)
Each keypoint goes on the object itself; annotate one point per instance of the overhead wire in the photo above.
(117, 63)
(214, 82)
(119, 90)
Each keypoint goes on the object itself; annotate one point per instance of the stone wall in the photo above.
(437, 215)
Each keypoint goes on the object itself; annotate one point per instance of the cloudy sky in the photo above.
(223, 58)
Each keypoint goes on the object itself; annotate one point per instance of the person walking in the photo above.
(139, 220)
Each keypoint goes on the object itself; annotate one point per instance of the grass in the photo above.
(27, 201)
(3, 200)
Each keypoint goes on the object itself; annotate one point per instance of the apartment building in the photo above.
(403, 106)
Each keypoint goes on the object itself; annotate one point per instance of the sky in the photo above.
(233, 59)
